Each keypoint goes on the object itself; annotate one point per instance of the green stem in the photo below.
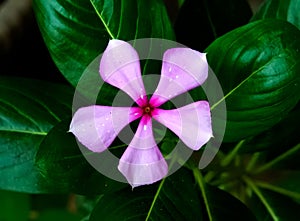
(155, 198)
(252, 161)
(275, 161)
(277, 189)
(199, 178)
(227, 160)
(174, 159)
(118, 146)
(256, 190)
(210, 175)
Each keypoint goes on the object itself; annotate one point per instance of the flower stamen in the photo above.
(147, 110)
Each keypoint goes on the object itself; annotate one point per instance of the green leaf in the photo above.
(270, 206)
(176, 198)
(64, 167)
(284, 182)
(277, 146)
(75, 32)
(28, 110)
(219, 204)
(287, 10)
(225, 206)
(286, 160)
(277, 139)
(257, 66)
(14, 206)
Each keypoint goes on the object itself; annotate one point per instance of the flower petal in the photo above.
(191, 123)
(182, 69)
(142, 163)
(96, 127)
(120, 67)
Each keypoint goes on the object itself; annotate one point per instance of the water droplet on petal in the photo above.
(145, 127)
(170, 69)
(177, 77)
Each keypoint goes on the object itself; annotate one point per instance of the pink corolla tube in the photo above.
(97, 126)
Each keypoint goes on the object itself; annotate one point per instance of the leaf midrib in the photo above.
(103, 21)
(38, 133)
(21, 113)
(38, 102)
(243, 82)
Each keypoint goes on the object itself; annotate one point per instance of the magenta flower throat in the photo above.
(97, 126)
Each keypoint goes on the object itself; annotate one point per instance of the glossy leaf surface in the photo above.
(257, 66)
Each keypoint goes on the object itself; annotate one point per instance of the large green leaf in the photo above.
(64, 167)
(287, 10)
(176, 198)
(219, 204)
(277, 139)
(258, 67)
(75, 32)
(28, 110)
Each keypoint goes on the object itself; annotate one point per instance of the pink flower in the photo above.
(97, 126)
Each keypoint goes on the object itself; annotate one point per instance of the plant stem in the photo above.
(252, 161)
(174, 159)
(210, 175)
(199, 178)
(256, 190)
(277, 189)
(278, 159)
(155, 198)
(227, 160)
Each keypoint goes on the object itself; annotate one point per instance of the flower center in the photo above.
(147, 110)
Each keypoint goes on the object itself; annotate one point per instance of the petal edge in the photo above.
(120, 67)
(142, 162)
(182, 70)
(96, 127)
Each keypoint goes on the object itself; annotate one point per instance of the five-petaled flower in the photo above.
(97, 126)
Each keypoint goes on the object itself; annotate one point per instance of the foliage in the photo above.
(255, 174)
